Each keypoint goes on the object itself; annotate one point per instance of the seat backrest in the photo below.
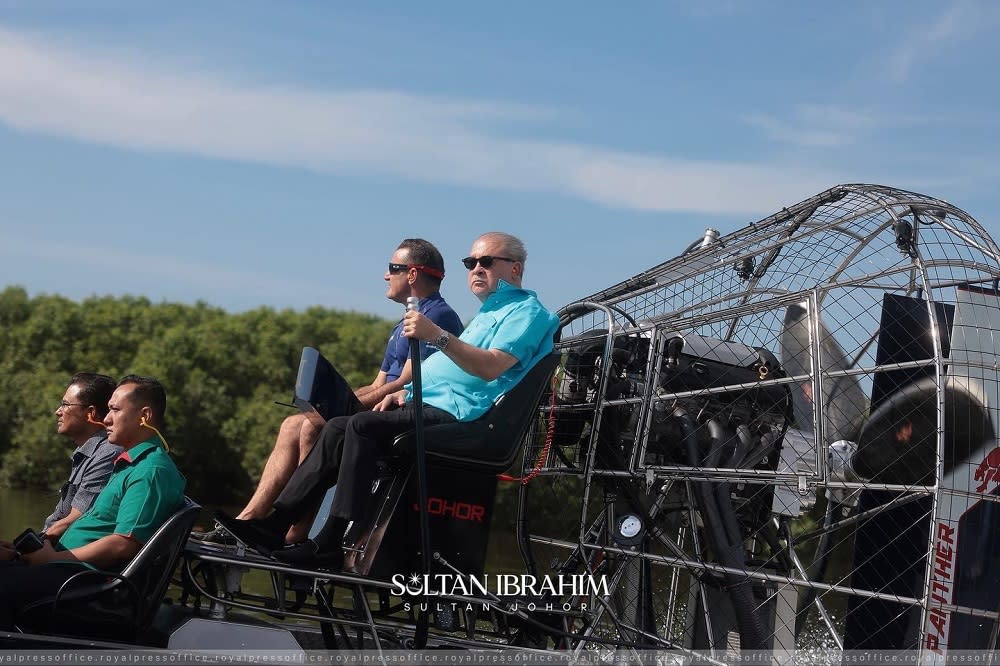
(152, 567)
(95, 607)
(491, 442)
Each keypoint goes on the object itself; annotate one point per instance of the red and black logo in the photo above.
(438, 506)
(989, 470)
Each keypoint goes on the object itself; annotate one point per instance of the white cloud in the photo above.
(821, 125)
(121, 101)
(647, 183)
(927, 40)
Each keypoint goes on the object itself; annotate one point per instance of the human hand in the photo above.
(44, 554)
(416, 325)
(391, 402)
(7, 552)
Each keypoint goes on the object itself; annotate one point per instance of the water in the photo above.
(20, 508)
(24, 508)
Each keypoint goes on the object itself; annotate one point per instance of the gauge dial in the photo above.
(629, 526)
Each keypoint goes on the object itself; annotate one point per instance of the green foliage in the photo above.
(222, 373)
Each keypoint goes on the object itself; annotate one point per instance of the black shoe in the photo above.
(307, 554)
(220, 536)
(253, 532)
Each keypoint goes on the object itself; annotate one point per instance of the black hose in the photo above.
(703, 494)
(741, 589)
(730, 555)
(734, 535)
(744, 445)
(764, 446)
(777, 552)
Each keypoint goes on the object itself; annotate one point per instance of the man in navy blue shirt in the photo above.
(509, 335)
(415, 269)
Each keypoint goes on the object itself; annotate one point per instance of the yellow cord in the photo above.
(142, 422)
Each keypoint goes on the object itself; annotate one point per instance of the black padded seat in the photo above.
(491, 442)
(112, 606)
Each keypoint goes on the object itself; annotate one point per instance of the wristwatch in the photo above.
(442, 340)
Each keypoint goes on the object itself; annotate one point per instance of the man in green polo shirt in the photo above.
(145, 488)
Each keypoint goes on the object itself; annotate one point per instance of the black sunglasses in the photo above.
(398, 268)
(485, 261)
(402, 268)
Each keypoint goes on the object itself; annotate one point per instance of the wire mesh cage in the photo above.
(784, 438)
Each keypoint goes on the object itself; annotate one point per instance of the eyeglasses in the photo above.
(395, 269)
(64, 405)
(485, 261)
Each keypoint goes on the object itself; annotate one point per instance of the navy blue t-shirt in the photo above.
(398, 349)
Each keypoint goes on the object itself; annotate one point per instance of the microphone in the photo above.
(413, 305)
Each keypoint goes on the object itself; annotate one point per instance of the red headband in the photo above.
(427, 269)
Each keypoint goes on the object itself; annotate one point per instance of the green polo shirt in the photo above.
(144, 490)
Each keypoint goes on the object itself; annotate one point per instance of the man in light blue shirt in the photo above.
(511, 332)
(416, 268)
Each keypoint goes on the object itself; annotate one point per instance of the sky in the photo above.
(247, 153)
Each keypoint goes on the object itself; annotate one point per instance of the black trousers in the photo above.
(21, 584)
(352, 445)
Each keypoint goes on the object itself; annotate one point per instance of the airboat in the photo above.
(781, 440)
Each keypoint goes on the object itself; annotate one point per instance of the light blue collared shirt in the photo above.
(512, 320)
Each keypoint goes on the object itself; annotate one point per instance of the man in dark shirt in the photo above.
(80, 417)
(509, 335)
(144, 490)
